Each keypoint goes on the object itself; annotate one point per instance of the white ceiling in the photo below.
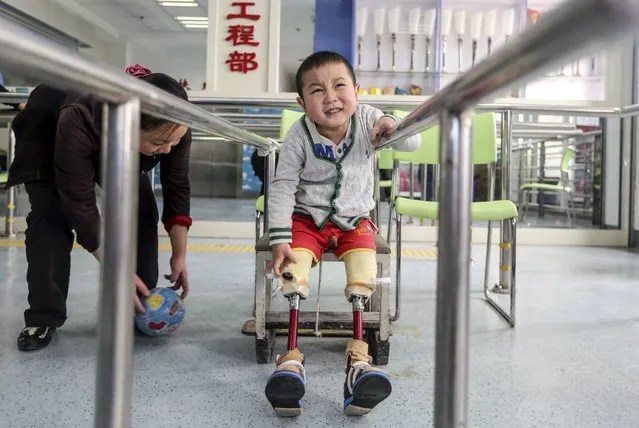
(134, 17)
(147, 23)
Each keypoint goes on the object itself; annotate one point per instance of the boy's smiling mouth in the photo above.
(333, 110)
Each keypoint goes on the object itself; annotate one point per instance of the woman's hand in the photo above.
(179, 275)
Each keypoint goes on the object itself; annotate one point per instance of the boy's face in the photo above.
(330, 97)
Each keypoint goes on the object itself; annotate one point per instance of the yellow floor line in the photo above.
(218, 248)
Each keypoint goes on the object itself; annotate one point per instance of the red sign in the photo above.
(243, 13)
(242, 62)
(242, 35)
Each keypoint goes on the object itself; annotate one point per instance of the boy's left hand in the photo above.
(382, 126)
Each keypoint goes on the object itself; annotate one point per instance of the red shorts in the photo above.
(306, 235)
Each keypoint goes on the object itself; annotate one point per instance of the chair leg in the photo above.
(390, 222)
(524, 195)
(317, 331)
(258, 227)
(398, 267)
(509, 316)
(489, 235)
(513, 268)
(565, 195)
(571, 208)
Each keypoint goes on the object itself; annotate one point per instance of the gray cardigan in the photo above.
(340, 191)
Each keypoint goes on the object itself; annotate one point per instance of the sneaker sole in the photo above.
(369, 390)
(284, 391)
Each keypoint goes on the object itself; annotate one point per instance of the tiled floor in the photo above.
(570, 362)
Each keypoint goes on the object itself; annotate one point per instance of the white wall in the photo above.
(179, 62)
(616, 192)
(297, 35)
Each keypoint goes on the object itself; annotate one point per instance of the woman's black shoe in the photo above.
(34, 338)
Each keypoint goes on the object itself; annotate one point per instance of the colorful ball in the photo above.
(164, 312)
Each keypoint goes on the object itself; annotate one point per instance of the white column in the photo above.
(242, 52)
(616, 191)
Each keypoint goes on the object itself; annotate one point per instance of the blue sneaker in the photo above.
(286, 386)
(365, 386)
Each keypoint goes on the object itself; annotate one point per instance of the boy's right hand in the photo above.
(282, 255)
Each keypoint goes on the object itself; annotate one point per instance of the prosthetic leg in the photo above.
(286, 386)
(365, 386)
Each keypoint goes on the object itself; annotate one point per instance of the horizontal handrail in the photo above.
(287, 100)
(25, 53)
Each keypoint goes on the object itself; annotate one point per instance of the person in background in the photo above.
(58, 151)
(259, 167)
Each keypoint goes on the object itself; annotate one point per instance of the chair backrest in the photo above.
(564, 167)
(484, 138)
(566, 157)
(484, 142)
(385, 159)
(289, 117)
(428, 151)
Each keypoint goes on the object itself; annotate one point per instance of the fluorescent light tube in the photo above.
(177, 4)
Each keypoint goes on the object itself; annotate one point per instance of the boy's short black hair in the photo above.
(316, 60)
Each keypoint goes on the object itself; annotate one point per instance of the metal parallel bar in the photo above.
(453, 270)
(26, 53)
(9, 221)
(288, 101)
(13, 98)
(389, 102)
(120, 158)
(629, 111)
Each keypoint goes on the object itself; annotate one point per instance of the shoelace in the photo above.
(294, 363)
(355, 370)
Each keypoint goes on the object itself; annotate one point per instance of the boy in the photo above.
(321, 198)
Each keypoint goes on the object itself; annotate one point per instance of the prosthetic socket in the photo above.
(361, 280)
(361, 274)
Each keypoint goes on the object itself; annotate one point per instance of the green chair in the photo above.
(288, 119)
(384, 161)
(562, 188)
(484, 151)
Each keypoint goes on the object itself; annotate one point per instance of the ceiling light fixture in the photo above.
(196, 26)
(178, 4)
(192, 18)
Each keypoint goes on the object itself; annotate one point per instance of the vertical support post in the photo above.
(120, 169)
(268, 179)
(9, 221)
(505, 240)
(453, 271)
